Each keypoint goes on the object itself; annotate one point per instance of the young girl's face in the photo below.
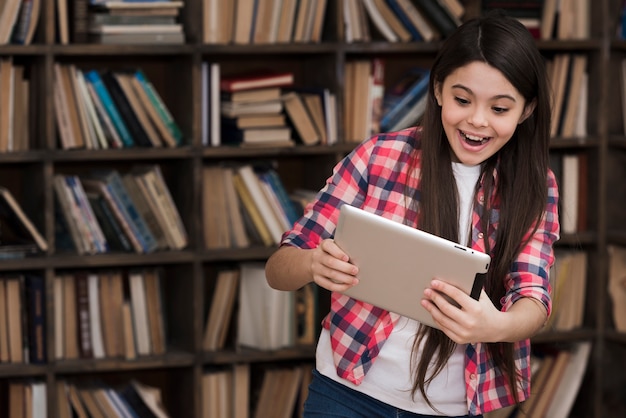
(480, 110)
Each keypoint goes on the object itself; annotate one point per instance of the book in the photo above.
(113, 210)
(26, 23)
(5, 355)
(147, 208)
(8, 17)
(150, 38)
(258, 79)
(95, 315)
(130, 350)
(155, 310)
(34, 288)
(239, 136)
(252, 184)
(427, 32)
(220, 309)
(111, 301)
(265, 317)
(300, 119)
(138, 106)
(114, 186)
(231, 110)
(15, 312)
(410, 87)
(23, 228)
(251, 214)
(238, 235)
(216, 227)
(70, 318)
(617, 285)
(152, 178)
(438, 16)
(159, 105)
(263, 120)
(138, 133)
(141, 328)
(94, 78)
(85, 339)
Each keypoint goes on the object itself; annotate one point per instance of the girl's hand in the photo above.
(331, 268)
(473, 321)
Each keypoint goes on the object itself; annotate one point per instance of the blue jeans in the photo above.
(328, 398)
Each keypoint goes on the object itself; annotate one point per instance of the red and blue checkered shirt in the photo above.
(375, 176)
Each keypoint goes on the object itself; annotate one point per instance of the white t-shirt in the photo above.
(389, 379)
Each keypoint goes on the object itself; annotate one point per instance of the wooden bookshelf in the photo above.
(175, 70)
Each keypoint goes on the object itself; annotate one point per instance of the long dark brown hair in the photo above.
(522, 166)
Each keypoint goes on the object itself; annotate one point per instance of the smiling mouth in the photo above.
(474, 140)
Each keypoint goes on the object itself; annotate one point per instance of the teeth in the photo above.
(474, 138)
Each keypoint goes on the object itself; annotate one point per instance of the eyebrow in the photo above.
(499, 96)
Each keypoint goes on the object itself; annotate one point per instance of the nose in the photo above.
(477, 117)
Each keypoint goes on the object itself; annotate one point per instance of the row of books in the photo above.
(261, 108)
(22, 319)
(569, 77)
(245, 205)
(106, 211)
(99, 399)
(267, 319)
(572, 174)
(18, 21)
(14, 106)
(263, 21)
(370, 108)
(557, 376)
(226, 392)
(399, 20)
(25, 399)
(110, 109)
(108, 314)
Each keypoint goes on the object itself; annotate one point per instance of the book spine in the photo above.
(126, 110)
(117, 189)
(35, 300)
(160, 106)
(404, 19)
(82, 313)
(405, 103)
(94, 78)
(97, 237)
(438, 16)
(80, 18)
(271, 177)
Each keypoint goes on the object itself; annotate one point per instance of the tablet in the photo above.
(397, 262)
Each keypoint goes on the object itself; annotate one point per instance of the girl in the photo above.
(476, 172)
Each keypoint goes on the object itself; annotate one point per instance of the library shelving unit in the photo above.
(175, 70)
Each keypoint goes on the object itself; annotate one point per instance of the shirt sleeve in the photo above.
(530, 273)
(347, 185)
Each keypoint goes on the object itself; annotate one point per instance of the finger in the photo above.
(452, 292)
(329, 247)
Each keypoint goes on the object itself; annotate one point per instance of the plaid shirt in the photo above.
(375, 177)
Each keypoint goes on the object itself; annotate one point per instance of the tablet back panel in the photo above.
(397, 262)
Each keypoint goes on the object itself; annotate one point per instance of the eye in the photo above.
(461, 100)
(498, 109)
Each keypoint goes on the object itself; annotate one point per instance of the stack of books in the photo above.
(252, 110)
(132, 22)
